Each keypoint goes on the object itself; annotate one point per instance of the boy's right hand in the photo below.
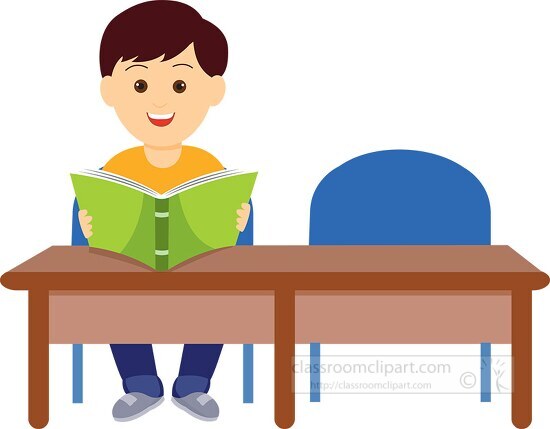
(85, 223)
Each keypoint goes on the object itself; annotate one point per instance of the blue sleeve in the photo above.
(77, 238)
(246, 238)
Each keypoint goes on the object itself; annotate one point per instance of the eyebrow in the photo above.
(182, 64)
(136, 65)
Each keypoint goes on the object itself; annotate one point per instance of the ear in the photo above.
(217, 89)
(106, 88)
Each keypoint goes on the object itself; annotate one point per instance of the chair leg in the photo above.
(248, 373)
(315, 372)
(78, 351)
(485, 375)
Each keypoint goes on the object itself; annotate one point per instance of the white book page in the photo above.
(124, 181)
(206, 178)
(121, 180)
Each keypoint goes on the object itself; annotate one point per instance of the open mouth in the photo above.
(160, 120)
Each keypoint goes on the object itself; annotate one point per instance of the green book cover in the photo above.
(163, 230)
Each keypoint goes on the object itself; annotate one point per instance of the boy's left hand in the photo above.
(243, 213)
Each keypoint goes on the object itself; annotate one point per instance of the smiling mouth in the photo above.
(160, 120)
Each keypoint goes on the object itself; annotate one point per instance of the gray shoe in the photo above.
(134, 405)
(199, 405)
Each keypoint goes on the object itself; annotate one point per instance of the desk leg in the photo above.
(521, 358)
(39, 358)
(284, 358)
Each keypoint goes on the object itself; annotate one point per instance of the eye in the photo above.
(179, 86)
(140, 86)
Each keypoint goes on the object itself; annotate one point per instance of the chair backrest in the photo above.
(246, 237)
(400, 197)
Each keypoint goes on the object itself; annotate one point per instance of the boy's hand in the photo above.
(85, 223)
(243, 213)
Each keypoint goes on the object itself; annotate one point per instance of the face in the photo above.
(160, 102)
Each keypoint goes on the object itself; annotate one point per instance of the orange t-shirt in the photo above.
(133, 164)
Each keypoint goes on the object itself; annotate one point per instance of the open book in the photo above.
(163, 230)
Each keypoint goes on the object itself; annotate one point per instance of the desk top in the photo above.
(286, 267)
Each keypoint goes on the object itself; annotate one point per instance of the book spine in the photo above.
(161, 234)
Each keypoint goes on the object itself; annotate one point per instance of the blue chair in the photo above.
(246, 238)
(399, 197)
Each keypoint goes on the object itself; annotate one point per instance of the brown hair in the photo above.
(151, 29)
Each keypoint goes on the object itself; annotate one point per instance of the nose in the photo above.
(159, 106)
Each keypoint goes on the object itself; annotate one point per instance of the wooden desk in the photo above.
(73, 294)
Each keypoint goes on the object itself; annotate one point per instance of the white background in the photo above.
(309, 86)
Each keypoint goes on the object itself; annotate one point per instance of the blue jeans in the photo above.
(136, 365)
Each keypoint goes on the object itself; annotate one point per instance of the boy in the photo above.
(162, 67)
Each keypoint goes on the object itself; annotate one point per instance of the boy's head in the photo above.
(162, 67)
